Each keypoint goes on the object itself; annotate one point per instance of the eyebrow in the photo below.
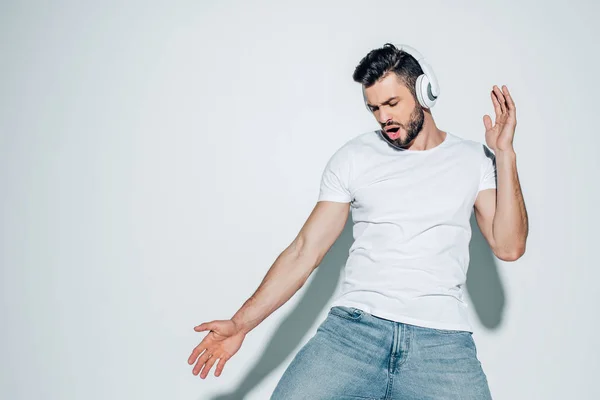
(385, 102)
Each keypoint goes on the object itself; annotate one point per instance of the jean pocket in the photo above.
(350, 313)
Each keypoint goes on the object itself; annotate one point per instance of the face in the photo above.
(397, 111)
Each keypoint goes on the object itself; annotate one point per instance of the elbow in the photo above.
(305, 255)
(512, 254)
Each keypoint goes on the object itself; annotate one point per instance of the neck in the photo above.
(429, 137)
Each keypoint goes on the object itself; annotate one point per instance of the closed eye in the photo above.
(386, 103)
(373, 109)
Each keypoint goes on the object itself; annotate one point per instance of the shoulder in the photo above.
(354, 145)
(470, 147)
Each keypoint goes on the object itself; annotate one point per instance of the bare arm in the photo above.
(295, 264)
(501, 213)
(288, 274)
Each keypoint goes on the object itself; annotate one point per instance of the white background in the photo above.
(155, 159)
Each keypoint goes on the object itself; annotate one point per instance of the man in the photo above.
(399, 327)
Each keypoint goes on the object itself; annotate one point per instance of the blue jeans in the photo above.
(356, 355)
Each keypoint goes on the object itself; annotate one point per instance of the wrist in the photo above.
(505, 153)
(240, 327)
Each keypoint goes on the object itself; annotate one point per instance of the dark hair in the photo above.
(388, 59)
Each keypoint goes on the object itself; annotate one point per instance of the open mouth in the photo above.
(393, 133)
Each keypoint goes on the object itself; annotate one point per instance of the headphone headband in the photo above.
(427, 70)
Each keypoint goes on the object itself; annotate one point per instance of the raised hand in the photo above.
(500, 135)
(222, 342)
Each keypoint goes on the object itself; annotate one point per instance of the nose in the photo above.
(383, 115)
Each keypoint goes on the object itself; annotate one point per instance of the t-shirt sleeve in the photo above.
(488, 170)
(335, 179)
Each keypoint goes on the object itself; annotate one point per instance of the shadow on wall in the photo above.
(483, 284)
(483, 281)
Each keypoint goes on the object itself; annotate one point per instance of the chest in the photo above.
(432, 188)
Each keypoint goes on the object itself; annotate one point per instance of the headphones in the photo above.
(426, 87)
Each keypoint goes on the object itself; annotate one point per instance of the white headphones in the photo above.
(426, 87)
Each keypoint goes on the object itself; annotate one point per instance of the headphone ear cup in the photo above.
(423, 89)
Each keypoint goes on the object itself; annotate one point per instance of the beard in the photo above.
(413, 128)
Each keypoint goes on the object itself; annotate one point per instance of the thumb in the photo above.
(487, 122)
(205, 326)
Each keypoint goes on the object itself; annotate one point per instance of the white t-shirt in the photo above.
(411, 212)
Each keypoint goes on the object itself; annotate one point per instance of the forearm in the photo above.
(510, 226)
(288, 273)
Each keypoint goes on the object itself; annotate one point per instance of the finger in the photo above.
(201, 361)
(204, 343)
(208, 366)
(220, 365)
(509, 100)
(487, 122)
(500, 97)
(497, 108)
(196, 352)
(205, 326)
